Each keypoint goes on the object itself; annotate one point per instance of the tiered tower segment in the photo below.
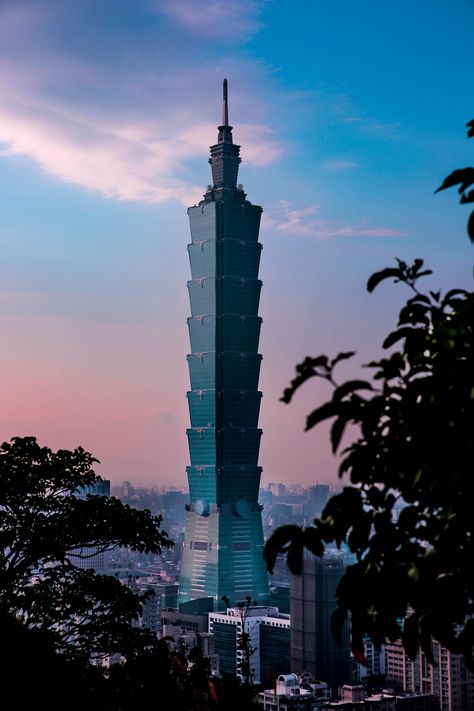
(223, 545)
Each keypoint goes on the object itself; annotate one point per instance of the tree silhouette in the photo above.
(62, 621)
(44, 527)
(407, 513)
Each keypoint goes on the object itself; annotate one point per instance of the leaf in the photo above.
(306, 370)
(465, 640)
(295, 555)
(415, 314)
(463, 177)
(278, 543)
(426, 272)
(454, 292)
(311, 363)
(342, 356)
(470, 227)
(312, 540)
(337, 430)
(468, 197)
(419, 298)
(358, 650)
(395, 336)
(327, 410)
(359, 536)
(387, 273)
(426, 639)
(351, 386)
(411, 635)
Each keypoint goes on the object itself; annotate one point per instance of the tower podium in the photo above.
(223, 546)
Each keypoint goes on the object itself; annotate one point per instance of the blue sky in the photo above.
(349, 114)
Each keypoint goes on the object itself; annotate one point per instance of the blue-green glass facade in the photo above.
(224, 540)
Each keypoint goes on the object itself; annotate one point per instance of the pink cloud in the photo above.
(121, 156)
(285, 217)
(82, 152)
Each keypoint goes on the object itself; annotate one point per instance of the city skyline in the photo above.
(349, 119)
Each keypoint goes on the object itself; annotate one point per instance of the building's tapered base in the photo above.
(234, 567)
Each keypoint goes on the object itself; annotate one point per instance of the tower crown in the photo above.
(225, 156)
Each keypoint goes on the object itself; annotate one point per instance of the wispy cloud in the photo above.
(137, 143)
(338, 164)
(230, 19)
(305, 221)
(373, 126)
(80, 150)
(342, 109)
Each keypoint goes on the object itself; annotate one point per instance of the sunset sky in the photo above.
(349, 113)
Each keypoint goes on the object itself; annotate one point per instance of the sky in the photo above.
(349, 114)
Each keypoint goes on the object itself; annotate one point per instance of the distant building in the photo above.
(90, 557)
(280, 596)
(175, 622)
(449, 682)
(318, 497)
(269, 633)
(312, 601)
(295, 692)
(352, 692)
(376, 661)
(99, 488)
(375, 702)
(188, 629)
(151, 612)
(353, 697)
(167, 592)
(198, 640)
(276, 489)
(274, 648)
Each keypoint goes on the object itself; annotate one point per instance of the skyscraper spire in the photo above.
(225, 131)
(225, 107)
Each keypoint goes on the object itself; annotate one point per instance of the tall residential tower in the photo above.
(223, 544)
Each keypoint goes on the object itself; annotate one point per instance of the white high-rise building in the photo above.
(256, 621)
(448, 680)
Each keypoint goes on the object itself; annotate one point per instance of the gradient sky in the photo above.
(349, 113)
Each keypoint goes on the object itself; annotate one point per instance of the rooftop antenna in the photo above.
(225, 107)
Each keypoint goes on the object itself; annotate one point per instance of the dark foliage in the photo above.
(44, 528)
(414, 450)
(58, 622)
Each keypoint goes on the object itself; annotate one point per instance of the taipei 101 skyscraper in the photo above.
(223, 547)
